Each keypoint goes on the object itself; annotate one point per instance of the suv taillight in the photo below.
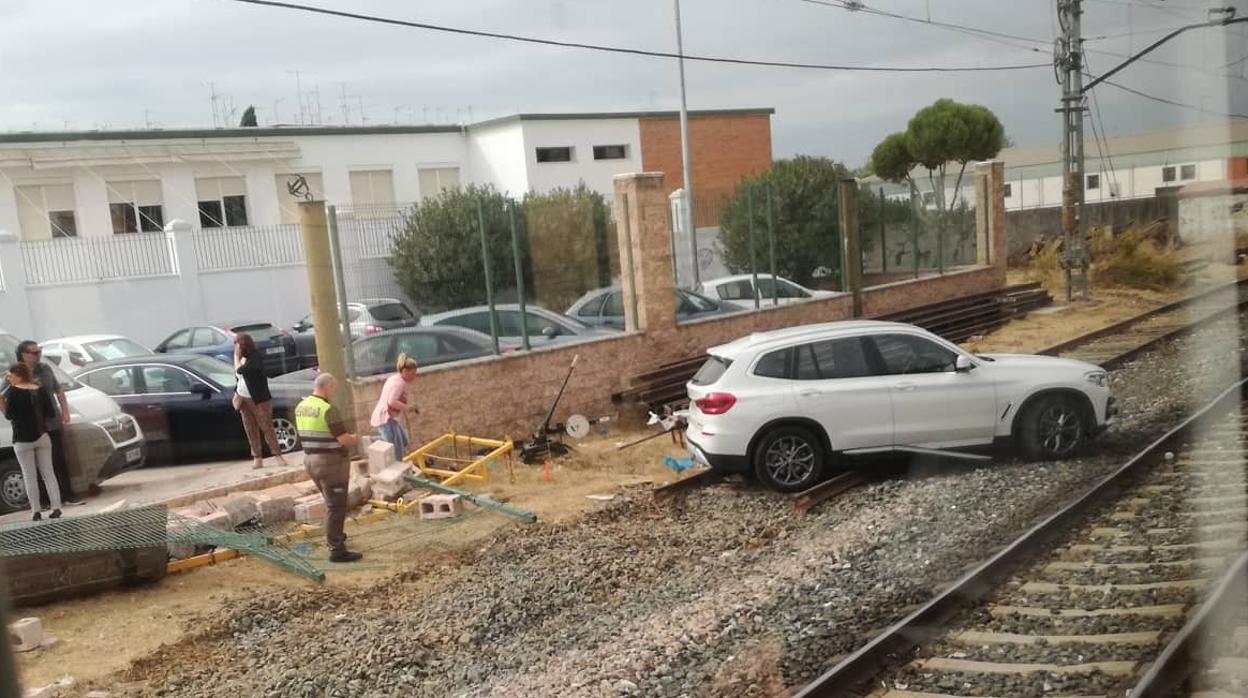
(372, 330)
(716, 403)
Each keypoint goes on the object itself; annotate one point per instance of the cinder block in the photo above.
(390, 484)
(26, 634)
(380, 456)
(359, 491)
(441, 506)
(218, 519)
(274, 509)
(310, 509)
(241, 508)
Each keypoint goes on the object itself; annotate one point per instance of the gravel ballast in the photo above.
(725, 591)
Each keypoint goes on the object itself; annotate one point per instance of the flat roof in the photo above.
(295, 130)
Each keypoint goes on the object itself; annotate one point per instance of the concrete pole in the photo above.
(314, 232)
(686, 169)
(851, 250)
(344, 313)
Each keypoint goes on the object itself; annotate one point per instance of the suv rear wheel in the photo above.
(789, 459)
(12, 487)
(1055, 426)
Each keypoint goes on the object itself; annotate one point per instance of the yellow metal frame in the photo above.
(474, 470)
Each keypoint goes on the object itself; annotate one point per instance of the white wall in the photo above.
(582, 135)
(496, 154)
(403, 154)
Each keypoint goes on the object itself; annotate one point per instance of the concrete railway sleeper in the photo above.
(1083, 603)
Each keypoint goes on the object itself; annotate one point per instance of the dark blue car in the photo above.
(277, 345)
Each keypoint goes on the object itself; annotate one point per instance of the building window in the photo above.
(435, 180)
(136, 206)
(1009, 190)
(1187, 172)
(222, 201)
(46, 211)
(610, 152)
(1167, 173)
(287, 204)
(372, 193)
(560, 154)
(1094, 182)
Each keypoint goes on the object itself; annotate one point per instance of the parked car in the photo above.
(72, 353)
(785, 405)
(183, 403)
(740, 288)
(277, 345)
(604, 307)
(430, 346)
(101, 442)
(367, 317)
(544, 326)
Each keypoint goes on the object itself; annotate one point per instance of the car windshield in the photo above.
(214, 370)
(391, 312)
(115, 348)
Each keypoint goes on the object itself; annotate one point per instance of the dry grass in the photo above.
(1145, 258)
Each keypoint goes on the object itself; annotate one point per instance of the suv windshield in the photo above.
(391, 312)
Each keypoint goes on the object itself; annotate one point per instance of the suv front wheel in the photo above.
(1055, 426)
(789, 459)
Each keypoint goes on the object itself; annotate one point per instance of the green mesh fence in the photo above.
(142, 527)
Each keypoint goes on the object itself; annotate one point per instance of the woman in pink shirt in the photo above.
(393, 403)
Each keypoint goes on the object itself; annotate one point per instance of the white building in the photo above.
(100, 183)
(1130, 166)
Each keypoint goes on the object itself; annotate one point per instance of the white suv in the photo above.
(783, 404)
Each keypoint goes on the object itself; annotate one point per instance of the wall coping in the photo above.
(961, 271)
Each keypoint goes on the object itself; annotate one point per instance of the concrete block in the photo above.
(380, 456)
(275, 509)
(241, 508)
(359, 491)
(441, 506)
(389, 484)
(306, 487)
(26, 634)
(219, 519)
(310, 509)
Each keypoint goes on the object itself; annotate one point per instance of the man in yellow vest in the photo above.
(325, 442)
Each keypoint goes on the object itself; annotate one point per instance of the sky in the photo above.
(83, 64)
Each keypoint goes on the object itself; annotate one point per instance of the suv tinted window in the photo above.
(908, 354)
(711, 371)
(473, 321)
(774, 365)
(835, 358)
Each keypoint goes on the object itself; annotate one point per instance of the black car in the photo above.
(277, 345)
(428, 345)
(183, 404)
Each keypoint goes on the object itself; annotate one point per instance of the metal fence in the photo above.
(250, 247)
(370, 231)
(137, 255)
(905, 235)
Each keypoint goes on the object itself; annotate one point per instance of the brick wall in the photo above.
(723, 149)
(510, 394)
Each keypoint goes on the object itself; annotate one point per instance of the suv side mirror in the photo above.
(962, 364)
(550, 332)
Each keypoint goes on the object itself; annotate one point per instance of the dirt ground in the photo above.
(103, 634)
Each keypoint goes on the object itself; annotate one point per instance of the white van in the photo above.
(101, 442)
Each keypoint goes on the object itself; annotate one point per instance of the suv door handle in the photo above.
(810, 392)
(905, 387)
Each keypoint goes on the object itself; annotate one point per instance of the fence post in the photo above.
(489, 275)
(515, 255)
(340, 283)
(771, 243)
(915, 202)
(314, 233)
(851, 250)
(883, 235)
(186, 265)
(749, 214)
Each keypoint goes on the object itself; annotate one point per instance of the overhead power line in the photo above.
(634, 51)
(987, 34)
(1173, 103)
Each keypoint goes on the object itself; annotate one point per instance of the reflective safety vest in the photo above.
(312, 422)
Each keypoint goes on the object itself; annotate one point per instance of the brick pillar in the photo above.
(990, 182)
(643, 226)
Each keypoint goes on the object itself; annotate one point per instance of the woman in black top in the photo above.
(253, 401)
(28, 407)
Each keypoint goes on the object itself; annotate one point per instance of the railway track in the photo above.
(1112, 346)
(1082, 604)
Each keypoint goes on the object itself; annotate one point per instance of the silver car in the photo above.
(544, 326)
(604, 307)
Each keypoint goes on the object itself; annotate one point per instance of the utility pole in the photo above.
(1068, 63)
(686, 173)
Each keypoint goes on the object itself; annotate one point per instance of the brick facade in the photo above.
(494, 396)
(723, 149)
